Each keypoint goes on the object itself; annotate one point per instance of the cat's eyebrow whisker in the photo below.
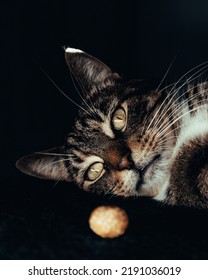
(53, 154)
(52, 163)
(61, 176)
(166, 73)
(86, 93)
(174, 92)
(64, 94)
(91, 109)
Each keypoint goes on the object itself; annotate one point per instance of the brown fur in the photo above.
(189, 175)
(141, 158)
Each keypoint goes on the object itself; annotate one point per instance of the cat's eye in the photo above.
(119, 119)
(94, 171)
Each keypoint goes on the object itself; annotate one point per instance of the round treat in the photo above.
(108, 221)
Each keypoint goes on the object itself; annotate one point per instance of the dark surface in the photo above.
(137, 39)
(40, 221)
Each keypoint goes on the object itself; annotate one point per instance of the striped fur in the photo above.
(160, 149)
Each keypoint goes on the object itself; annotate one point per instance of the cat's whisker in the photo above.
(53, 154)
(164, 148)
(183, 105)
(52, 163)
(112, 195)
(109, 191)
(167, 139)
(64, 94)
(141, 154)
(168, 86)
(177, 119)
(164, 111)
(166, 73)
(173, 104)
(61, 176)
(147, 117)
(175, 92)
(190, 78)
(91, 109)
(145, 122)
(86, 93)
(164, 88)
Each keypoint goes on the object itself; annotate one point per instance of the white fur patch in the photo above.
(162, 194)
(72, 50)
(192, 127)
(105, 126)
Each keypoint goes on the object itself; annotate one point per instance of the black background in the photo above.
(138, 39)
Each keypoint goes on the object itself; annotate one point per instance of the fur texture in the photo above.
(131, 140)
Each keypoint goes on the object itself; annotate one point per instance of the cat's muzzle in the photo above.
(146, 172)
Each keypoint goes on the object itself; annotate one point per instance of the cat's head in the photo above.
(116, 145)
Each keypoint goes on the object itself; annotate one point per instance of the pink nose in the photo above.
(125, 163)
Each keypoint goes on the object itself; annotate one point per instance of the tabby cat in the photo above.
(130, 140)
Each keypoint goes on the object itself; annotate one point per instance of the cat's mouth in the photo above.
(147, 172)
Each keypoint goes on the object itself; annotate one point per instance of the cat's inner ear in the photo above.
(48, 164)
(88, 71)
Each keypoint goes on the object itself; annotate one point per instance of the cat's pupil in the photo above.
(94, 171)
(119, 119)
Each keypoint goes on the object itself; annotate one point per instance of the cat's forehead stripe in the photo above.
(106, 128)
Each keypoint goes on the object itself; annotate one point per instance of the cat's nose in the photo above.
(126, 162)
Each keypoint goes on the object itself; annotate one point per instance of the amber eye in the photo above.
(119, 119)
(94, 171)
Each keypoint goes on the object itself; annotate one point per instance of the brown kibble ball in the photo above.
(108, 221)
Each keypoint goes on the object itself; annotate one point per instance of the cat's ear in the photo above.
(89, 72)
(48, 164)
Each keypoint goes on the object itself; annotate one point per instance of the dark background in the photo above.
(135, 38)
